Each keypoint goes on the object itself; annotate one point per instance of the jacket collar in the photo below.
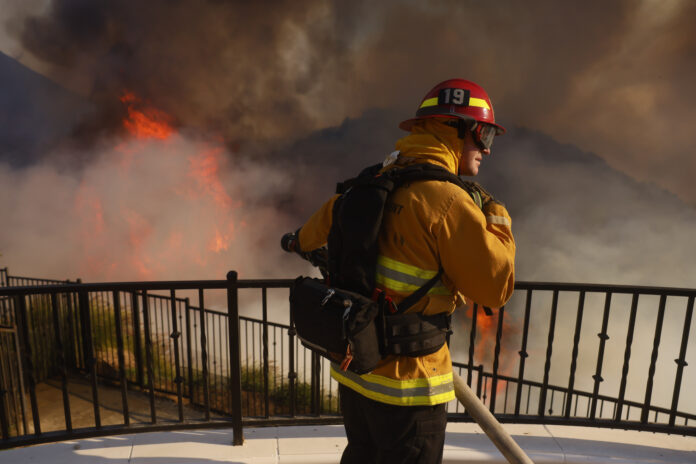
(431, 142)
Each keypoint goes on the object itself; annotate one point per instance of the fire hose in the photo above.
(473, 405)
(488, 423)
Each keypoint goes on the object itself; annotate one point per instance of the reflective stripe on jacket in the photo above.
(429, 225)
(398, 277)
(426, 391)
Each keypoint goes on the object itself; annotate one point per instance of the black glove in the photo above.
(319, 257)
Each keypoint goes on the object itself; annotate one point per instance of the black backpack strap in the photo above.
(423, 171)
(367, 173)
(414, 297)
(427, 171)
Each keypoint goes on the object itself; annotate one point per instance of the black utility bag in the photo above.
(337, 324)
(346, 320)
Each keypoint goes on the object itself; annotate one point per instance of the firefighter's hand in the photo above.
(289, 242)
(319, 258)
(479, 194)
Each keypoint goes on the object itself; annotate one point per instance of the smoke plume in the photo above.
(613, 79)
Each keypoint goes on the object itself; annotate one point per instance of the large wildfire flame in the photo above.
(145, 122)
(193, 182)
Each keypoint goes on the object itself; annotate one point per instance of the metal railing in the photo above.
(640, 324)
(150, 356)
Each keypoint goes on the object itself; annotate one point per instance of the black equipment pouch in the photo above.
(357, 332)
(336, 324)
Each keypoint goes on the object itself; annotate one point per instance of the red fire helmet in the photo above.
(456, 99)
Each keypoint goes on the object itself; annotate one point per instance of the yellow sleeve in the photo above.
(315, 232)
(477, 251)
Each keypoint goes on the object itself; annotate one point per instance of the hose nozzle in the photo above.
(289, 242)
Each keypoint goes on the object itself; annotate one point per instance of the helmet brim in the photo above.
(407, 125)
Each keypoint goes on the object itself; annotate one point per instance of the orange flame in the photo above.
(486, 327)
(205, 168)
(145, 123)
(139, 229)
(221, 241)
(486, 330)
(152, 247)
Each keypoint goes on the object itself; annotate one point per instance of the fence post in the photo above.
(603, 337)
(71, 349)
(88, 351)
(178, 378)
(627, 358)
(681, 361)
(5, 316)
(264, 305)
(292, 375)
(204, 353)
(574, 355)
(523, 353)
(472, 342)
(59, 346)
(148, 357)
(479, 382)
(653, 359)
(20, 378)
(316, 384)
(121, 357)
(189, 360)
(22, 321)
(137, 342)
(496, 358)
(79, 341)
(4, 422)
(235, 362)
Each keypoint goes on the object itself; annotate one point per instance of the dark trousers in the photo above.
(382, 433)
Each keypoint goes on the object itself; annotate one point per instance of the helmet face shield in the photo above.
(484, 134)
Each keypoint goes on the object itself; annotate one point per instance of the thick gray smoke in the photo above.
(239, 68)
(612, 78)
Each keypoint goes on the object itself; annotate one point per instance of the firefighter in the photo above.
(396, 413)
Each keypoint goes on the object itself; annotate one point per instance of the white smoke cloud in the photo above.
(145, 210)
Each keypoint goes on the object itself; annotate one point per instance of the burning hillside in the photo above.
(151, 204)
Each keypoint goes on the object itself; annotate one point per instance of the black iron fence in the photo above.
(623, 354)
(93, 359)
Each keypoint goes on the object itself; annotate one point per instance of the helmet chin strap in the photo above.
(462, 128)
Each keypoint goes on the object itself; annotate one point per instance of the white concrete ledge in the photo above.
(465, 443)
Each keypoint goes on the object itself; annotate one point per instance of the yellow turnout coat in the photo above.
(427, 225)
